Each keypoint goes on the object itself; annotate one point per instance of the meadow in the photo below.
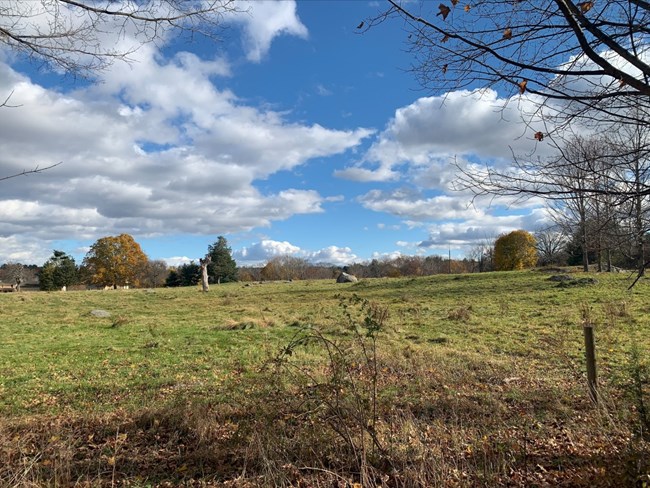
(450, 380)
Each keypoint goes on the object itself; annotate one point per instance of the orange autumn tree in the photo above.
(516, 250)
(116, 261)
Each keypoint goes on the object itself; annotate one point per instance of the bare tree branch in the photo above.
(36, 169)
(590, 58)
(82, 37)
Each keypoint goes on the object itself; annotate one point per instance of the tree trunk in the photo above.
(585, 250)
(609, 260)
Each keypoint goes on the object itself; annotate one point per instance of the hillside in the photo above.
(452, 380)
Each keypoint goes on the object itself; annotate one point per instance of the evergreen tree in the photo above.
(223, 267)
(173, 279)
(187, 274)
(190, 274)
(59, 271)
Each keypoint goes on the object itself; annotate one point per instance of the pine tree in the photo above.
(222, 267)
(59, 271)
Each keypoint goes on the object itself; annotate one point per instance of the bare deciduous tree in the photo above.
(551, 244)
(588, 59)
(80, 37)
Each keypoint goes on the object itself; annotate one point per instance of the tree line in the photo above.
(118, 262)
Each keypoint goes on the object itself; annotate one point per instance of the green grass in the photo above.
(489, 362)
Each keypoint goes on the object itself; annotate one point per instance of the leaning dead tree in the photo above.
(587, 59)
(81, 37)
(205, 262)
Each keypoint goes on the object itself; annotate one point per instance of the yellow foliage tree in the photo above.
(116, 261)
(516, 250)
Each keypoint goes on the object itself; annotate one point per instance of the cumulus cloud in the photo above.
(413, 205)
(156, 149)
(20, 249)
(424, 137)
(488, 227)
(261, 252)
(263, 21)
(266, 249)
(178, 260)
(334, 255)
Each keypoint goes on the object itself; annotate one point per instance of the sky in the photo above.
(294, 134)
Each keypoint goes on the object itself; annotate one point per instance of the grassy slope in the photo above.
(490, 365)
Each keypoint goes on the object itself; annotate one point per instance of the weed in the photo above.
(342, 395)
(638, 389)
(460, 314)
(615, 310)
(119, 321)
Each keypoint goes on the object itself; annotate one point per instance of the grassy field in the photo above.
(462, 380)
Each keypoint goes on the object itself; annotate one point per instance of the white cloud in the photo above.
(265, 250)
(175, 154)
(323, 91)
(412, 205)
(423, 138)
(261, 252)
(264, 21)
(178, 260)
(339, 256)
(487, 227)
(20, 249)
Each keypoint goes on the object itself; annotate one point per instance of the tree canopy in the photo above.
(516, 250)
(116, 261)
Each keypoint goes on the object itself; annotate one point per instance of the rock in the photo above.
(346, 278)
(100, 313)
(562, 277)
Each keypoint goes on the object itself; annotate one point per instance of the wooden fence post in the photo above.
(590, 353)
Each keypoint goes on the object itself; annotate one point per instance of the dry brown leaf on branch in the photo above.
(507, 34)
(522, 86)
(467, 8)
(445, 39)
(444, 68)
(444, 11)
(585, 6)
(539, 135)
(454, 2)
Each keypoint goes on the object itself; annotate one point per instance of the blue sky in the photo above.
(295, 134)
